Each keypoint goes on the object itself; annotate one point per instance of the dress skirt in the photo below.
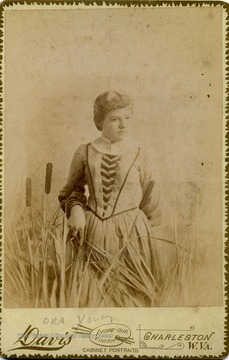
(117, 264)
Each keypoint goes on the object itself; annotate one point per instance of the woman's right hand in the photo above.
(77, 222)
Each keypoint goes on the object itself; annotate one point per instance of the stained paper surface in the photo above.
(171, 60)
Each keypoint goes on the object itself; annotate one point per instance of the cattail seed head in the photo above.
(28, 192)
(48, 178)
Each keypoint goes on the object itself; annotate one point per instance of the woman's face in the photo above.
(116, 124)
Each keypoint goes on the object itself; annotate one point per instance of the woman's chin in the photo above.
(122, 136)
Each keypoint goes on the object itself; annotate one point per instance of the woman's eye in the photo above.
(113, 119)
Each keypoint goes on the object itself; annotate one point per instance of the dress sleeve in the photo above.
(73, 192)
(150, 203)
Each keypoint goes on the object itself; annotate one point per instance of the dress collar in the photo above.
(107, 146)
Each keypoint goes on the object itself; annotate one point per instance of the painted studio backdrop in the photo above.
(56, 62)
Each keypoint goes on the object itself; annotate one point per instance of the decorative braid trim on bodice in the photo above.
(108, 168)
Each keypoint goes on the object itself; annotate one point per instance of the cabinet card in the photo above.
(114, 179)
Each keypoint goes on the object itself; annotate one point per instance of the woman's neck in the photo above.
(108, 146)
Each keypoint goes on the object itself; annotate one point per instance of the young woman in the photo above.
(113, 225)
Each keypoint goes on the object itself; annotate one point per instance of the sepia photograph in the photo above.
(114, 148)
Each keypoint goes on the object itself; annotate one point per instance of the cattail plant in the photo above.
(48, 178)
(45, 282)
(28, 201)
(28, 192)
(48, 182)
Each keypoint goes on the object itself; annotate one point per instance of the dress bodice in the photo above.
(113, 181)
(119, 178)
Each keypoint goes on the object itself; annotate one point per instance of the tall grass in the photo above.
(44, 269)
(179, 283)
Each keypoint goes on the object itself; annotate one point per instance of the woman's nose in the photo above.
(122, 124)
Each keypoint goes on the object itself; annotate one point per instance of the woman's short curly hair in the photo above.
(108, 101)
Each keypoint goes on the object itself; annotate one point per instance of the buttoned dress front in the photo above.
(121, 209)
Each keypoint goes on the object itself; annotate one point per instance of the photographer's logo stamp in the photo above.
(108, 335)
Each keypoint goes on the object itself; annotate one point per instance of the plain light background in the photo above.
(168, 58)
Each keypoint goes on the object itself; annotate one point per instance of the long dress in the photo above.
(120, 262)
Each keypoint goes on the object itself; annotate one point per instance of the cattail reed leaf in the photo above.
(28, 192)
(48, 178)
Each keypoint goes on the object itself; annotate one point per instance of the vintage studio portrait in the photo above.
(113, 158)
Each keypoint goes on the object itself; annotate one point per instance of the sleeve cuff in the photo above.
(69, 204)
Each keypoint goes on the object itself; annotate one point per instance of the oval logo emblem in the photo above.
(110, 334)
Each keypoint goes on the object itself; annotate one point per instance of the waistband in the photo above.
(109, 217)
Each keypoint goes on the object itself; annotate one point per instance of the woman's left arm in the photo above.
(150, 184)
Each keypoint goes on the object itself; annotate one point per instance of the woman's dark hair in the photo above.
(108, 101)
